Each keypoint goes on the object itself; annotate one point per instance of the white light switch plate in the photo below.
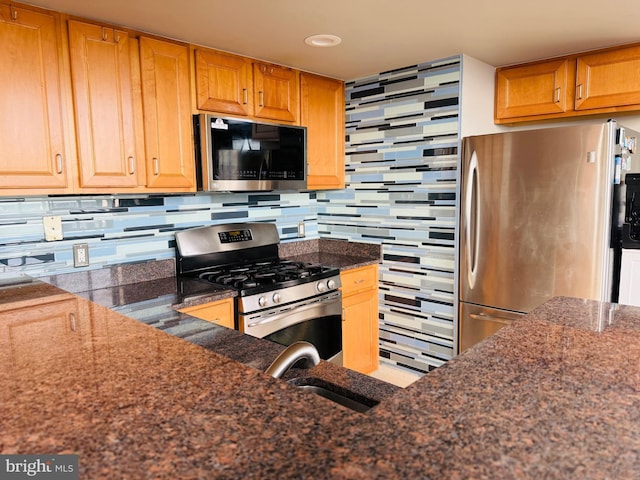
(52, 228)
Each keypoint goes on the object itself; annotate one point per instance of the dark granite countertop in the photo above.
(555, 395)
(137, 292)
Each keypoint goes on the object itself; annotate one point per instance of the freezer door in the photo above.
(535, 216)
(478, 323)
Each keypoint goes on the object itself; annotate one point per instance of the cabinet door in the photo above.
(608, 79)
(276, 92)
(167, 115)
(360, 332)
(31, 112)
(46, 337)
(224, 83)
(537, 89)
(322, 112)
(101, 77)
(360, 344)
(217, 312)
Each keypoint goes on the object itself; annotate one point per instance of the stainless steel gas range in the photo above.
(277, 299)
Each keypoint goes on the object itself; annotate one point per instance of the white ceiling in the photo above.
(377, 35)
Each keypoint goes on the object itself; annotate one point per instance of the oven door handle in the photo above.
(294, 308)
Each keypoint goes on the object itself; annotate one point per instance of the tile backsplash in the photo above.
(134, 228)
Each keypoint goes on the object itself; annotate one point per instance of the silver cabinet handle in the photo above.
(245, 96)
(156, 166)
(261, 96)
(132, 166)
(72, 318)
(14, 12)
(579, 94)
(59, 165)
(557, 99)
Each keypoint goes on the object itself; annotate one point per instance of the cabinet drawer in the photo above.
(359, 279)
(220, 312)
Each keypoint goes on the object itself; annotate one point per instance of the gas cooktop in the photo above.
(261, 276)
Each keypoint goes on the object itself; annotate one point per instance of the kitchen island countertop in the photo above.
(555, 395)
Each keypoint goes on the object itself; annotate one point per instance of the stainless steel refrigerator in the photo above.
(540, 215)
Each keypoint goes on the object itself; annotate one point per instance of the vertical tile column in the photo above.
(402, 145)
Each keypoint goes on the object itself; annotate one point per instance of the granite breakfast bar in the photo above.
(555, 395)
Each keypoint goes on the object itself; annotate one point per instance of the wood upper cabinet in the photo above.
(235, 85)
(276, 92)
(608, 79)
(224, 82)
(322, 112)
(33, 153)
(102, 92)
(532, 89)
(360, 344)
(170, 163)
(595, 83)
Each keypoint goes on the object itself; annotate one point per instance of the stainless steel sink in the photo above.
(335, 393)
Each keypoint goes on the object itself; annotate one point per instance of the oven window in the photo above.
(325, 333)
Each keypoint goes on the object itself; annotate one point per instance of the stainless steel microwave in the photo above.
(242, 155)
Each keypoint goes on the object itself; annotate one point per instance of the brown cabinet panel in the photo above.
(532, 89)
(55, 328)
(170, 162)
(224, 82)
(101, 77)
(220, 312)
(322, 111)
(608, 79)
(276, 92)
(33, 153)
(360, 347)
(601, 82)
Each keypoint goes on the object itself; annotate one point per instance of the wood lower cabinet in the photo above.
(322, 112)
(33, 152)
(56, 327)
(595, 83)
(360, 345)
(104, 108)
(164, 67)
(220, 312)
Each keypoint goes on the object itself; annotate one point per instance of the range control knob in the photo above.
(331, 284)
(320, 287)
(277, 298)
(262, 301)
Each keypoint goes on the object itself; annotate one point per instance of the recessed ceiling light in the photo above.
(323, 40)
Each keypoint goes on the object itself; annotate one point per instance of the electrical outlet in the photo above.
(301, 229)
(81, 255)
(52, 228)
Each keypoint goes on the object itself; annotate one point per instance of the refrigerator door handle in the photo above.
(485, 317)
(472, 219)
